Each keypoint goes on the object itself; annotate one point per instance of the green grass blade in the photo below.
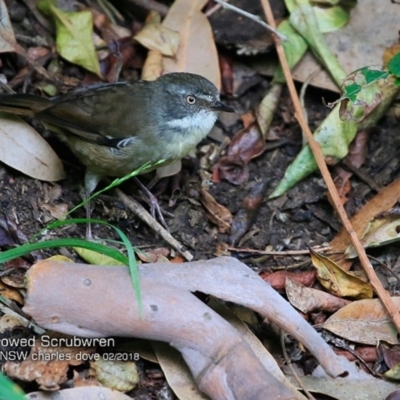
(9, 390)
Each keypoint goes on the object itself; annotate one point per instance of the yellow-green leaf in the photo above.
(338, 281)
(73, 35)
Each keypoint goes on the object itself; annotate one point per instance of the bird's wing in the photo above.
(100, 114)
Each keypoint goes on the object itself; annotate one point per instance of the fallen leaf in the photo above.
(232, 169)
(248, 211)
(155, 36)
(278, 279)
(364, 321)
(22, 148)
(245, 145)
(74, 35)
(381, 231)
(95, 258)
(197, 52)
(309, 300)
(217, 214)
(382, 202)
(390, 353)
(118, 375)
(47, 365)
(338, 281)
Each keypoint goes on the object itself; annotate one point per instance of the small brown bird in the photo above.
(116, 128)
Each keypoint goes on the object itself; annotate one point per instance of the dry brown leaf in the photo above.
(218, 214)
(22, 148)
(176, 372)
(310, 300)
(58, 211)
(382, 202)
(278, 279)
(245, 145)
(338, 281)
(11, 293)
(152, 67)
(197, 52)
(248, 211)
(381, 231)
(46, 365)
(364, 321)
(155, 36)
(367, 353)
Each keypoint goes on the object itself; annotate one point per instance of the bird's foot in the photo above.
(155, 208)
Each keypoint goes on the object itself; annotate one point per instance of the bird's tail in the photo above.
(23, 104)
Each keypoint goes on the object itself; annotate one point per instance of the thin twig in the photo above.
(212, 10)
(253, 17)
(280, 253)
(319, 158)
(141, 212)
(289, 364)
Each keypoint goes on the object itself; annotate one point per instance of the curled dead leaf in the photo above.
(218, 214)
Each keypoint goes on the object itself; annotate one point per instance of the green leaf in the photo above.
(9, 390)
(295, 48)
(394, 65)
(94, 257)
(362, 91)
(44, 7)
(74, 32)
(334, 135)
(331, 19)
(304, 20)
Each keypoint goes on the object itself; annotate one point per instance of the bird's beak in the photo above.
(218, 106)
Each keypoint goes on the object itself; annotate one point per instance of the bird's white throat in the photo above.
(193, 127)
(202, 121)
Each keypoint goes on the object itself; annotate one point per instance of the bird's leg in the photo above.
(91, 181)
(153, 202)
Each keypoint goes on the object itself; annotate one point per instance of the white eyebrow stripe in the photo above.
(205, 96)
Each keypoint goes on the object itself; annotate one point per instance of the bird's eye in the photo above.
(190, 99)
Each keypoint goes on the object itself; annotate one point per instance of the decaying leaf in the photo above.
(155, 36)
(247, 214)
(337, 281)
(245, 145)
(278, 279)
(218, 214)
(197, 52)
(311, 300)
(22, 148)
(382, 202)
(47, 365)
(118, 375)
(363, 90)
(382, 230)
(74, 36)
(364, 321)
